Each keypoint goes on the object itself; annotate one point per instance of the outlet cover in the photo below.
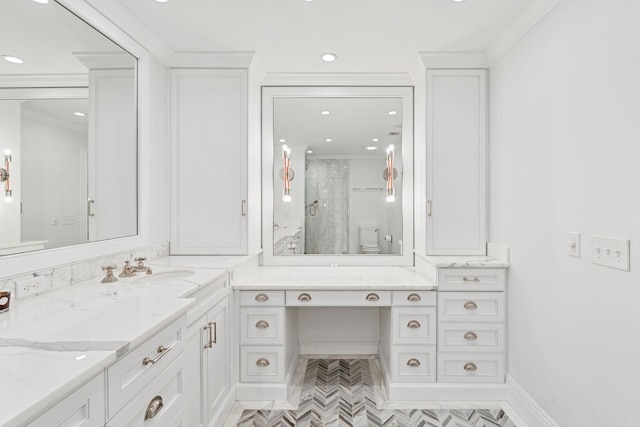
(574, 244)
(610, 252)
(30, 286)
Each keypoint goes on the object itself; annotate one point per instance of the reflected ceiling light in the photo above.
(375, 140)
(12, 59)
(283, 140)
(41, 1)
(79, 114)
(392, 113)
(161, 1)
(325, 113)
(81, 357)
(329, 57)
(309, 151)
(458, 1)
(371, 147)
(328, 140)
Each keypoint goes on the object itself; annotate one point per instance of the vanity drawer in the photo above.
(262, 325)
(414, 298)
(261, 364)
(470, 368)
(471, 306)
(261, 298)
(413, 364)
(471, 279)
(168, 389)
(478, 337)
(131, 374)
(338, 298)
(414, 326)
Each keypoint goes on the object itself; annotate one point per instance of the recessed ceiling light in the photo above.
(329, 57)
(41, 1)
(375, 140)
(12, 59)
(78, 113)
(161, 1)
(283, 140)
(371, 148)
(328, 140)
(458, 1)
(392, 113)
(325, 113)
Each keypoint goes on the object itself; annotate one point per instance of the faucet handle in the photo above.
(108, 268)
(109, 277)
(140, 260)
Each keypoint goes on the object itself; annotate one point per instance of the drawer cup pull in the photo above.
(470, 305)
(413, 324)
(262, 324)
(373, 297)
(414, 297)
(414, 363)
(470, 367)
(262, 362)
(470, 336)
(154, 407)
(261, 297)
(304, 297)
(162, 350)
(466, 279)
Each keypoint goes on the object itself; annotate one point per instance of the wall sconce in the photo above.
(286, 173)
(390, 173)
(5, 176)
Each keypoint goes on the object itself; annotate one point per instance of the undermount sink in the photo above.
(163, 276)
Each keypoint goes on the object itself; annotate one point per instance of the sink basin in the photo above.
(163, 276)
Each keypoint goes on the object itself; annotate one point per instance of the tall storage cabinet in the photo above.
(209, 161)
(456, 162)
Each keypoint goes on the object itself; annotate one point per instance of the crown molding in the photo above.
(436, 59)
(211, 59)
(43, 80)
(337, 79)
(518, 28)
(106, 60)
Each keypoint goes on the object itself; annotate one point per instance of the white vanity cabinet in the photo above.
(209, 208)
(456, 162)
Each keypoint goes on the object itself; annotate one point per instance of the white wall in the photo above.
(10, 140)
(565, 156)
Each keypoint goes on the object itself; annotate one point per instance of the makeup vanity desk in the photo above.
(393, 312)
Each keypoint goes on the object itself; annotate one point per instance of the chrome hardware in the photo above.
(243, 209)
(262, 297)
(413, 363)
(470, 336)
(127, 270)
(373, 297)
(414, 297)
(262, 324)
(162, 351)
(154, 407)
(466, 279)
(209, 326)
(304, 297)
(470, 367)
(470, 305)
(109, 277)
(429, 207)
(413, 324)
(262, 362)
(90, 202)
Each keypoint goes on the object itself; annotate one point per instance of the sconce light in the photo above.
(389, 174)
(4, 176)
(286, 173)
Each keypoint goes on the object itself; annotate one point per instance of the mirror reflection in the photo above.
(332, 159)
(68, 131)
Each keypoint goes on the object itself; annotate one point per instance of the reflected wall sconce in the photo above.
(286, 173)
(5, 176)
(390, 173)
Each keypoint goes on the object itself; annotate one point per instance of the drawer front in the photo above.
(132, 373)
(261, 364)
(262, 325)
(414, 298)
(414, 364)
(478, 337)
(167, 388)
(338, 298)
(471, 279)
(84, 407)
(471, 306)
(470, 368)
(262, 298)
(414, 326)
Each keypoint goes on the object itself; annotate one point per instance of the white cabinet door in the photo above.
(209, 162)
(193, 372)
(456, 162)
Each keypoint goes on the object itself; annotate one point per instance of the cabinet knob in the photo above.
(154, 407)
(373, 297)
(470, 367)
(262, 297)
(470, 336)
(414, 297)
(413, 363)
(413, 324)
(304, 297)
(475, 279)
(262, 362)
(262, 324)
(470, 305)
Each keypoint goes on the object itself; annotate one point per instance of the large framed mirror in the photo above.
(68, 131)
(337, 176)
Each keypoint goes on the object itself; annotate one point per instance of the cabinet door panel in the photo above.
(217, 356)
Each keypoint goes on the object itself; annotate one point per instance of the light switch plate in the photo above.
(610, 252)
(574, 244)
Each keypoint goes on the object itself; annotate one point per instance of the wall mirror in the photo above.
(68, 131)
(337, 175)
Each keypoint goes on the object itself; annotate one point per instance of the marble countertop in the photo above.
(50, 344)
(466, 262)
(334, 278)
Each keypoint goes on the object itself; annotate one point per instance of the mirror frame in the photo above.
(269, 94)
(13, 265)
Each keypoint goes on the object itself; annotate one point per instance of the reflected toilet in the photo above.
(369, 239)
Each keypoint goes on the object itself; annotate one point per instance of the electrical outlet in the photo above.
(29, 286)
(574, 244)
(610, 252)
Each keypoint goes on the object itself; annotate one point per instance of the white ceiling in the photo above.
(290, 35)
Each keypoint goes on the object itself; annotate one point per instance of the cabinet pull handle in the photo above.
(262, 324)
(304, 297)
(429, 203)
(262, 297)
(414, 297)
(470, 336)
(470, 305)
(90, 203)
(466, 279)
(470, 367)
(154, 407)
(209, 343)
(244, 207)
(413, 363)
(413, 324)
(262, 362)
(373, 297)
(215, 332)
(162, 350)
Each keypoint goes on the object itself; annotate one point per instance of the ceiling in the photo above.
(290, 35)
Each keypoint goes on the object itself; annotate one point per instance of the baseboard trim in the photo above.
(225, 409)
(527, 408)
(449, 392)
(261, 392)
